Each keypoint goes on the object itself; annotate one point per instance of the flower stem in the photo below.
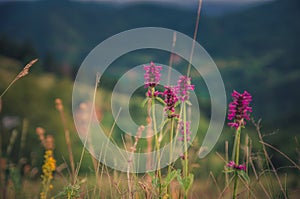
(237, 155)
(171, 152)
(185, 142)
(171, 143)
(156, 139)
(186, 172)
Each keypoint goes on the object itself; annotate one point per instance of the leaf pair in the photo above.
(186, 182)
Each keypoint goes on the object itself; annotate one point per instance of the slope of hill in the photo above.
(255, 49)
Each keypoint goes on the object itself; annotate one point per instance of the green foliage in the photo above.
(15, 176)
(170, 176)
(244, 175)
(186, 182)
(70, 192)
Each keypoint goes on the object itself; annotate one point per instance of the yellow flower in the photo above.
(42, 195)
(48, 168)
(49, 165)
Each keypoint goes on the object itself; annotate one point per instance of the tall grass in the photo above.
(258, 178)
(265, 180)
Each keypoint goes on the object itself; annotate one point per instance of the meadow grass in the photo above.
(265, 180)
(252, 174)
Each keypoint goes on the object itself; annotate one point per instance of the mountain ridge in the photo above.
(254, 48)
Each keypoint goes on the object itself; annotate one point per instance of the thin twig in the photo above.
(194, 38)
(247, 186)
(215, 181)
(226, 159)
(89, 124)
(130, 159)
(257, 125)
(171, 58)
(226, 188)
(60, 108)
(283, 154)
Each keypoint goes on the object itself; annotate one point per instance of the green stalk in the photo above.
(186, 172)
(185, 142)
(237, 155)
(171, 145)
(156, 139)
(171, 153)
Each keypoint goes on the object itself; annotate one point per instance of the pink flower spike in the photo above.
(170, 100)
(181, 131)
(241, 167)
(239, 109)
(155, 94)
(152, 75)
(183, 87)
(231, 164)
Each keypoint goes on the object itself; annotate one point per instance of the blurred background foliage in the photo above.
(255, 47)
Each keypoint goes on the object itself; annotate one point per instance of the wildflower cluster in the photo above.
(238, 112)
(152, 75)
(170, 100)
(239, 108)
(48, 168)
(183, 88)
(150, 93)
(49, 165)
(181, 130)
(232, 164)
(172, 96)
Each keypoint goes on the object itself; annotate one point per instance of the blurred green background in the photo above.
(254, 44)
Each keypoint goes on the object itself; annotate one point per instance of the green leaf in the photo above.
(187, 182)
(180, 181)
(152, 174)
(160, 100)
(244, 175)
(170, 177)
(229, 171)
(163, 123)
(177, 103)
(188, 102)
(154, 179)
(16, 178)
(144, 102)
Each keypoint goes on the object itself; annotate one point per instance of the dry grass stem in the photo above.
(215, 182)
(60, 108)
(87, 138)
(133, 149)
(171, 58)
(23, 73)
(258, 126)
(195, 37)
(283, 154)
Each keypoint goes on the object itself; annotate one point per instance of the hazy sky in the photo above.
(174, 1)
(180, 1)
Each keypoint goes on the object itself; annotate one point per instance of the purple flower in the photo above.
(182, 156)
(152, 75)
(183, 87)
(181, 131)
(232, 164)
(154, 94)
(239, 108)
(170, 100)
(241, 167)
